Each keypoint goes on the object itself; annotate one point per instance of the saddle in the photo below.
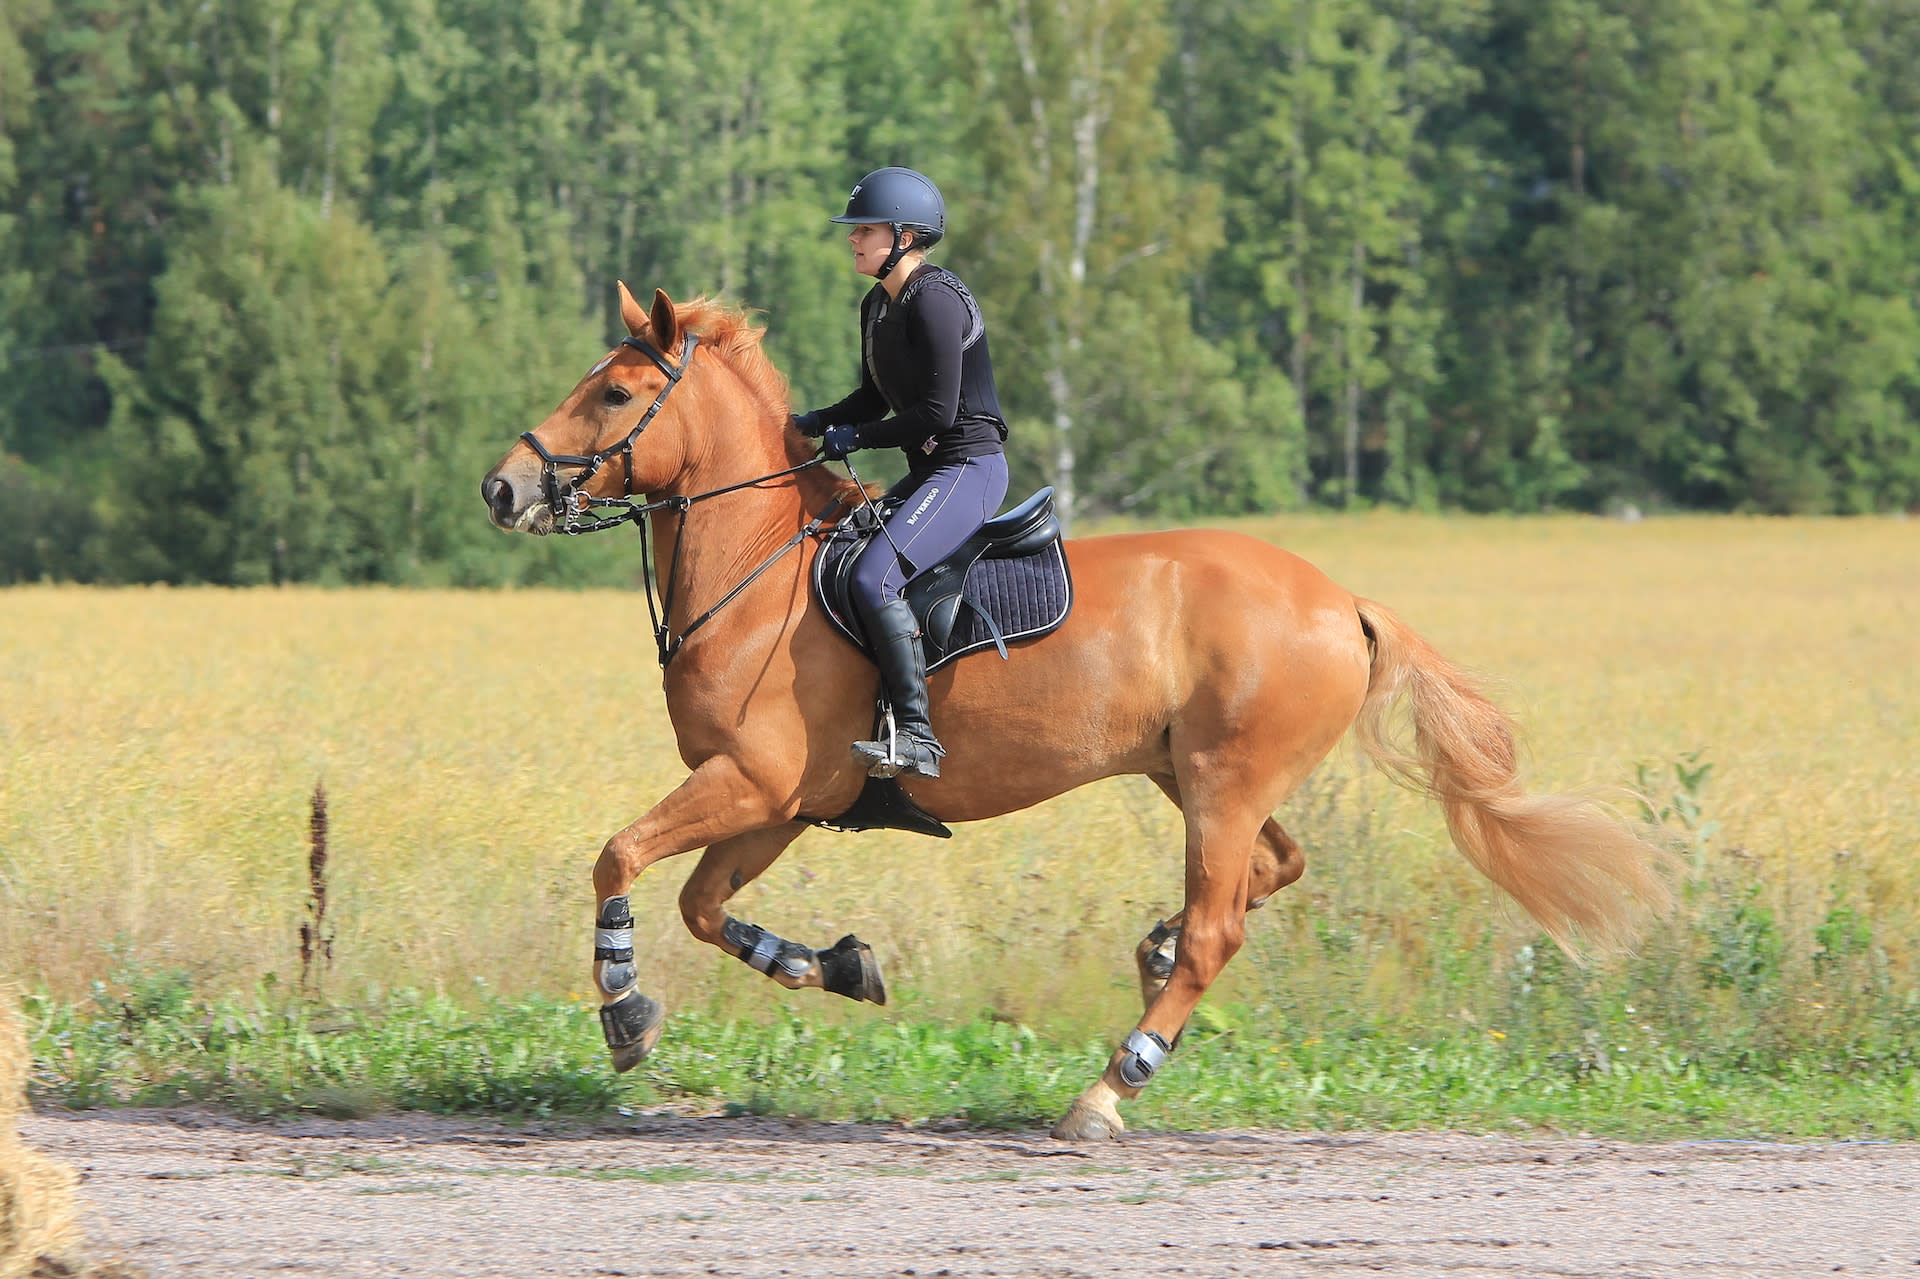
(1006, 583)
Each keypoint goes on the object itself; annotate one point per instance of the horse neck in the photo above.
(718, 541)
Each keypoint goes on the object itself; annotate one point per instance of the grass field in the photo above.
(1759, 679)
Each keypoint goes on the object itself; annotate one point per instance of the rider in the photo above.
(926, 387)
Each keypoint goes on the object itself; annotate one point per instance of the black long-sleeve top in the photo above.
(924, 361)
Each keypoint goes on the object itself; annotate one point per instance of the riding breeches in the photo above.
(937, 511)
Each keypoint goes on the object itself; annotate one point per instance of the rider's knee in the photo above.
(871, 590)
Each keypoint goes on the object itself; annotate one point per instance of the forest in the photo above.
(279, 279)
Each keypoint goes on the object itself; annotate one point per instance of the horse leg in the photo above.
(1277, 862)
(845, 968)
(715, 803)
(1219, 857)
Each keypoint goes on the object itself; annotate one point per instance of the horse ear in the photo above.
(630, 313)
(666, 326)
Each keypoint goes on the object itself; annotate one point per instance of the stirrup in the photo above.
(899, 753)
(910, 756)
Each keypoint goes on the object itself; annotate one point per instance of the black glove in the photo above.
(838, 442)
(808, 424)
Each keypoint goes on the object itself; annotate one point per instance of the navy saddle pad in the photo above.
(1007, 582)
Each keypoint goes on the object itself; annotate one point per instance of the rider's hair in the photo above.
(924, 237)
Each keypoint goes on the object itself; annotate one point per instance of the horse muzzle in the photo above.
(516, 504)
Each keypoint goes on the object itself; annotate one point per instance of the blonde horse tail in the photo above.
(1570, 860)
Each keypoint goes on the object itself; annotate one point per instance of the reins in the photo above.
(573, 519)
(667, 643)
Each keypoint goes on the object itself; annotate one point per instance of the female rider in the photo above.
(926, 387)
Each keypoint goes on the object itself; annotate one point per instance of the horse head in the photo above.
(590, 446)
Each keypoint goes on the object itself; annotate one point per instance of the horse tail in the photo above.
(1570, 860)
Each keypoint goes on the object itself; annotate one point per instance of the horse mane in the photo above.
(730, 333)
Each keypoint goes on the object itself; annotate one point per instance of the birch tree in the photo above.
(1086, 238)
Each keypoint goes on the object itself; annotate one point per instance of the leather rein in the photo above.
(577, 512)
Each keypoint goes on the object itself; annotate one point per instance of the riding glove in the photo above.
(839, 441)
(810, 425)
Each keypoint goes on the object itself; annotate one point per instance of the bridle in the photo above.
(576, 511)
(561, 497)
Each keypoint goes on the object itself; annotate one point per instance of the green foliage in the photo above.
(1743, 952)
(154, 1043)
(1681, 807)
(261, 422)
(1842, 935)
(39, 528)
(1330, 173)
(1502, 255)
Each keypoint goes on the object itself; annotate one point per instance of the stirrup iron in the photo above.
(889, 734)
(885, 757)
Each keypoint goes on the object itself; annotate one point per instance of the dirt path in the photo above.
(208, 1197)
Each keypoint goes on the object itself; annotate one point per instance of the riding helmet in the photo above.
(901, 198)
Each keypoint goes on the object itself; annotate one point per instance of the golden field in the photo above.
(158, 747)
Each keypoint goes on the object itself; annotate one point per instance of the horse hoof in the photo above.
(635, 1022)
(1084, 1123)
(849, 968)
(873, 988)
(628, 1056)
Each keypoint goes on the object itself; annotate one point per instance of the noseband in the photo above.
(561, 494)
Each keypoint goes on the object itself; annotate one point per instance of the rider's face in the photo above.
(872, 242)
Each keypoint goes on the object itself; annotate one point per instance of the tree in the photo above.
(1329, 173)
(82, 233)
(743, 159)
(264, 451)
(1088, 239)
(1734, 338)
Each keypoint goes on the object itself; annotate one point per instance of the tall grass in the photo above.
(158, 749)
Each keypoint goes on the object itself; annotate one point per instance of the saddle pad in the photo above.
(1027, 597)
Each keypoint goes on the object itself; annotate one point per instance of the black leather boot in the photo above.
(903, 671)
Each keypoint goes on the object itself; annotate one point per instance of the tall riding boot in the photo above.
(903, 670)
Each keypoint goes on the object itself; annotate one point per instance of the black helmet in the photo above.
(900, 198)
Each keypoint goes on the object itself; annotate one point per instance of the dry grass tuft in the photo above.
(37, 1233)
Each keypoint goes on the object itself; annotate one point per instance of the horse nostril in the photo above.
(498, 495)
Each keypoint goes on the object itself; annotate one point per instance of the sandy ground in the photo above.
(207, 1196)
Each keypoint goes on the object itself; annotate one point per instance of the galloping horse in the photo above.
(1221, 667)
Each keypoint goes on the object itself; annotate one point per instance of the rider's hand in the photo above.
(839, 441)
(811, 425)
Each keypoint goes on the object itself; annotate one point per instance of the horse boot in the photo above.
(903, 670)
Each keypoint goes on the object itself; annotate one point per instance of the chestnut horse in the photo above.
(1221, 667)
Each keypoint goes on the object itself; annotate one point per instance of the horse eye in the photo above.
(618, 395)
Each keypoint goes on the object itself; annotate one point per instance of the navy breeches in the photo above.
(941, 510)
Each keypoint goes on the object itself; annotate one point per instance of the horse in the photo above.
(1221, 667)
